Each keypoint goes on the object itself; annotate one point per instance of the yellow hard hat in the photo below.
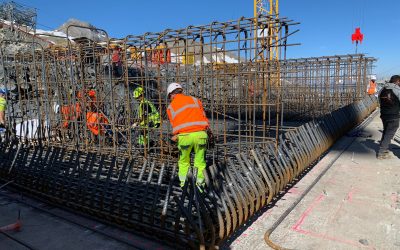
(138, 92)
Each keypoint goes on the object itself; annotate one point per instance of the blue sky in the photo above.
(325, 29)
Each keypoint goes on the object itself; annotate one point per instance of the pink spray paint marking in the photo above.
(294, 190)
(305, 214)
(349, 199)
(331, 181)
(395, 199)
(350, 195)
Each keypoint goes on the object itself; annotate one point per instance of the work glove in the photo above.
(134, 125)
(174, 138)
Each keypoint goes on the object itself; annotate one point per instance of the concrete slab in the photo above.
(354, 205)
(48, 227)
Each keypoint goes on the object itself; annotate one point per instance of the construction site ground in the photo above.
(354, 204)
(348, 200)
(44, 226)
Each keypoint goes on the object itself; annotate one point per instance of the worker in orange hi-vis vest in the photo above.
(372, 85)
(72, 113)
(96, 122)
(189, 126)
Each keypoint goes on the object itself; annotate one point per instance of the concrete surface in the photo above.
(354, 205)
(41, 229)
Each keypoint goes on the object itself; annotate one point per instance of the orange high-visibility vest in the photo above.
(70, 113)
(186, 115)
(115, 56)
(95, 122)
(371, 88)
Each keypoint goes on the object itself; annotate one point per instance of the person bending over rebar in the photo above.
(149, 117)
(389, 97)
(97, 124)
(189, 126)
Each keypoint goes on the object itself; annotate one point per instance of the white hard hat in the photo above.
(172, 87)
(373, 77)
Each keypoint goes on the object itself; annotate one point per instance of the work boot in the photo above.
(383, 155)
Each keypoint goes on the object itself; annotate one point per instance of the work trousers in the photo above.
(143, 137)
(389, 130)
(187, 142)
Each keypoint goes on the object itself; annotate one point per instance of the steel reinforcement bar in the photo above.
(143, 194)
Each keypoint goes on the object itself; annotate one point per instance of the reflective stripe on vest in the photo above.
(175, 113)
(189, 124)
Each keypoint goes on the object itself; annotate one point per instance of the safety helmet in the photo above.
(138, 92)
(373, 77)
(173, 86)
(92, 93)
(3, 91)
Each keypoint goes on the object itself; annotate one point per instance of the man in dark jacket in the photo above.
(389, 100)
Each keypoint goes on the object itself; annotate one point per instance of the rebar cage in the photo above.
(247, 98)
(271, 119)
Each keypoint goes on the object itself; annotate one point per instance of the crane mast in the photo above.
(267, 7)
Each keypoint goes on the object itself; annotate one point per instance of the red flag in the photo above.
(357, 36)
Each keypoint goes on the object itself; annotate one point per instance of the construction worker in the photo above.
(116, 61)
(372, 85)
(189, 126)
(149, 117)
(96, 122)
(389, 100)
(92, 101)
(73, 112)
(3, 108)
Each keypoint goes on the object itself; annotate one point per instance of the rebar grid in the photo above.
(216, 63)
(247, 99)
(317, 86)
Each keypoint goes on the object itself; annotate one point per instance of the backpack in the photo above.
(387, 98)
